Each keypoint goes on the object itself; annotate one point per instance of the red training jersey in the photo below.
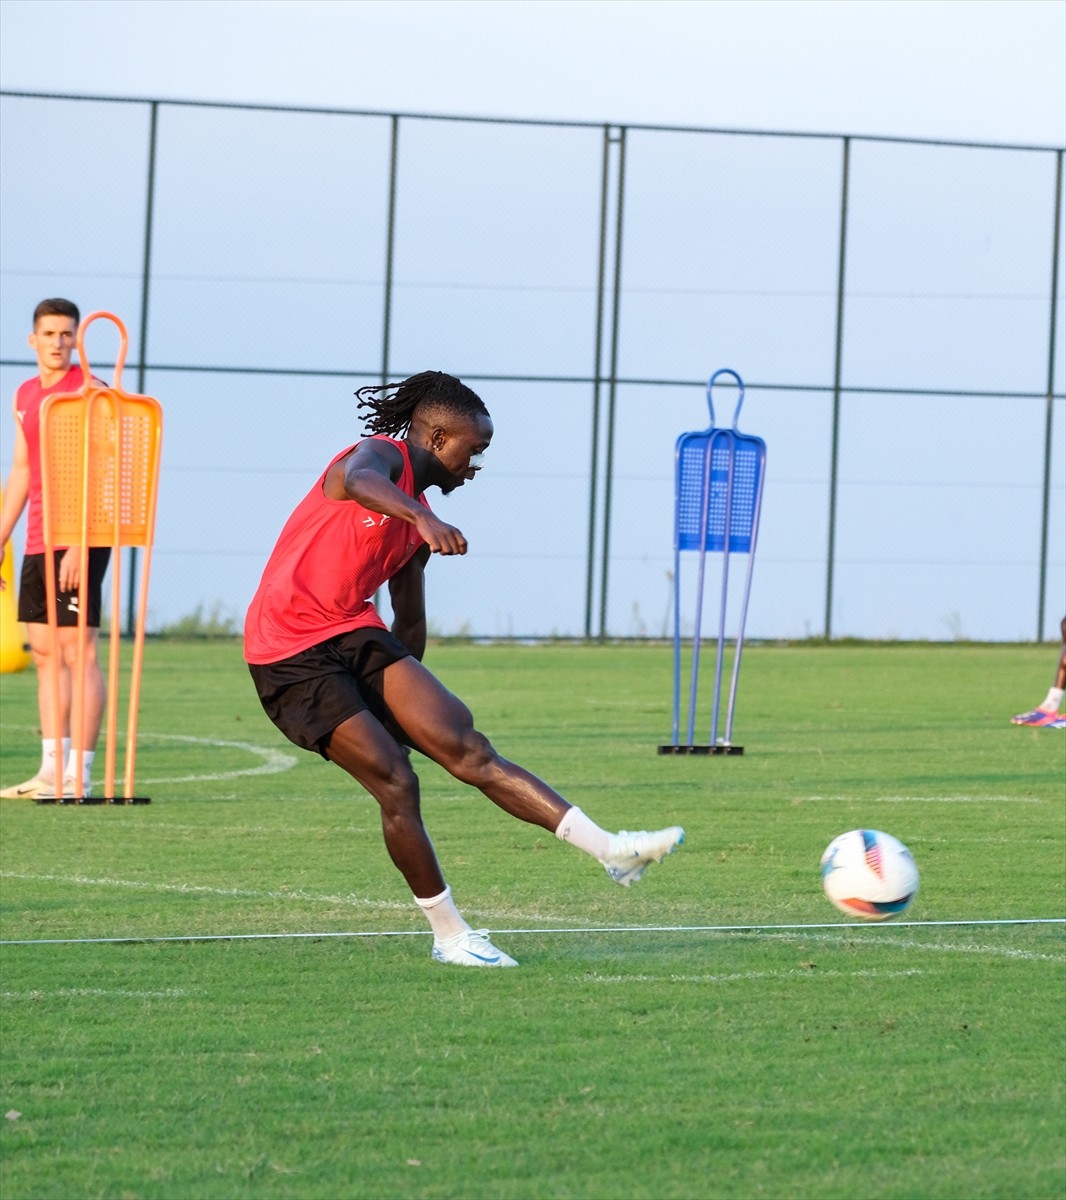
(330, 559)
(28, 400)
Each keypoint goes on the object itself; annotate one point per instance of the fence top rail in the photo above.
(826, 389)
(536, 121)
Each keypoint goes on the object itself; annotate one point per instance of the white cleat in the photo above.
(30, 790)
(632, 853)
(49, 792)
(471, 948)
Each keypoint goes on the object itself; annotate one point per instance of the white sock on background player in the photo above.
(87, 757)
(48, 758)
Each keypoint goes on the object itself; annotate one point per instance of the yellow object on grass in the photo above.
(14, 653)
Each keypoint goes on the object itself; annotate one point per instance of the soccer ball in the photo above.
(869, 874)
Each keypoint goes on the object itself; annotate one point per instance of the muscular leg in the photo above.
(41, 649)
(442, 728)
(369, 753)
(86, 723)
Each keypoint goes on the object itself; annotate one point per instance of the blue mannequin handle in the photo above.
(710, 390)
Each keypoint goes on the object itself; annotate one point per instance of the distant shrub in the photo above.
(216, 622)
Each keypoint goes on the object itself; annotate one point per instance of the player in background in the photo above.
(55, 327)
(336, 680)
(1047, 714)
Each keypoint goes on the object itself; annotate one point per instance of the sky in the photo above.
(983, 70)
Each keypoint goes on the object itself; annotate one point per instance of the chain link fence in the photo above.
(894, 307)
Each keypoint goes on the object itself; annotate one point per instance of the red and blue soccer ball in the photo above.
(869, 874)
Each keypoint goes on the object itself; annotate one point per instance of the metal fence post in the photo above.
(597, 376)
(142, 358)
(834, 452)
(613, 384)
(390, 245)
(1048, 411)
(605, 379)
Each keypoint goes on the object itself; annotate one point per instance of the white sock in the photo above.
(87, 757)
(444, 918)
(585, 834)
(48, 757)
(1054, 700)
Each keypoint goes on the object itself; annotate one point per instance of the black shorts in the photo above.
(309, 695)
(33, 595)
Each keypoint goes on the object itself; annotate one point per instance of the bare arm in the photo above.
(16, 492)
(408, 595)
(16, 488)
(368, 475)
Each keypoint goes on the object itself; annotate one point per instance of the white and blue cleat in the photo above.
(632, 853)
(471, 948)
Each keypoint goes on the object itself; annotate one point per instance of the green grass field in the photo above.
(807, 1058)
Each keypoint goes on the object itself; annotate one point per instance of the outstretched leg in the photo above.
(441, 727)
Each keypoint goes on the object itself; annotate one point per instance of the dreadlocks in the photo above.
(393, 405)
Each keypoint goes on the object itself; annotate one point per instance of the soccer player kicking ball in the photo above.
(335, 680)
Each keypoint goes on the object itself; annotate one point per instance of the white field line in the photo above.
(203, 890)
(782, 932)
(965, 839)
(840, 929)
(739, 976)
(62, 993)
(276, 761)
(919, 800)
(941, 947)
(273, 762)
(297, 895)
(214, 829)
(189, 938)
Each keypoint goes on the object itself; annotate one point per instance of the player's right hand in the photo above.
(440, 537)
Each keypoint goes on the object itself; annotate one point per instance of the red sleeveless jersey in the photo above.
(330, 559)
(28, 400)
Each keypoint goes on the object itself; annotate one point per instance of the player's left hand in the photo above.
(69, 573)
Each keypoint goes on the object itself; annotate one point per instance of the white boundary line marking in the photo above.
(257, 894)
(197, 889)
(919, 800)
(738, 976)
(789, 932)
(838, 926)
(943, 947)
(40, 994)
(273, 761)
